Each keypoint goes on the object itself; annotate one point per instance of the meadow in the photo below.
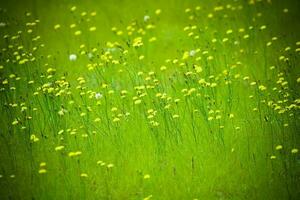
(150, 100)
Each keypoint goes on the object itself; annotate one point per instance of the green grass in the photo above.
(205, 106)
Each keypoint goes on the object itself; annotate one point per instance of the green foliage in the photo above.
(149, 99)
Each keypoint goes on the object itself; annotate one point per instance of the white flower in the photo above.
(90, 55)
(62, 112)
(72, 57)
(192, 52)
(98, 95)
(111, 49)
(146, 18)
(2, 24)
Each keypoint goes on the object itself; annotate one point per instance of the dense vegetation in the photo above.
(149, 99)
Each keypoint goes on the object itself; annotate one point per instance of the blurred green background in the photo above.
(209, 110)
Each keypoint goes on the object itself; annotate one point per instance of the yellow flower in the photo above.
(137, 42)
(246, 36)
(77, 32)
(152, 39)
(93, 28)
(119, 32)
(176, 100)
(114, 109)
(116, 119)
(263, 27)
(34, 138)
(110, 165)
(146, 176)
(262, 88)
(72, 154)
(229, 31)
(5, 82)
(58, 148)
(185, 55)
(163, 68)
(15, 122)
(295, 150)
(278, 147)
(198, 69)
(72, 25)
(136, 102)
(218, 117)
(97, 119)
(83, 175)
(99, 162)
(57, 26)
(175, 116)
(42, 171)
(73, 8)
(158, 11)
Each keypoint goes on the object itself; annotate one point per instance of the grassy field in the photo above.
(150, 100)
